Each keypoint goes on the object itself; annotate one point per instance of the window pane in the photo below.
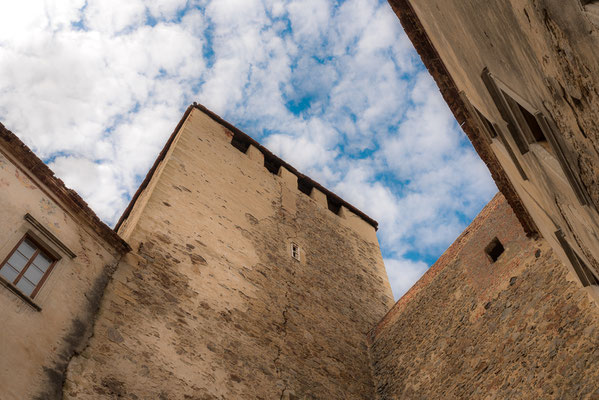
(27, 248)
(25, 286)
(34, 274)
(9, 273)
(18, 261)
(42, 262)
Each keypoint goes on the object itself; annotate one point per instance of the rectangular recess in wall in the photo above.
(505, 110)
(239, 143)
(586, 276)
(561, 154)
(333, 206)
(496, 130)
(271, 164)
(304, 186)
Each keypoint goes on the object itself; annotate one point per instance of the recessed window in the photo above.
(295, 251)
(494, 249)
(586, 276)
(27, 267)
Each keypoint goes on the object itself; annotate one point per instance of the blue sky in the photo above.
(334, 87)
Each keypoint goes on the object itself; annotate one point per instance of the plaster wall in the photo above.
(516, 328)
(544, 52)
(211, 305)
(39, 336)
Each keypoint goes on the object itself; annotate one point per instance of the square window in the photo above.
(494, 249)
(27, 266)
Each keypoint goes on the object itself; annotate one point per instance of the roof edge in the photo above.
(240, 135)
(21, 152)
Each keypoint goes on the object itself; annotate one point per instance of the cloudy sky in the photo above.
(334, 87)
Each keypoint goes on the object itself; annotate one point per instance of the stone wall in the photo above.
(39, 335)
(517, 328)
(211, 305)
(543, 54)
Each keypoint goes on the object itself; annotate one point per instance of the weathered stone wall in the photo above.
(545, 53)
(211, 305)
(518, 328)
(39, 336)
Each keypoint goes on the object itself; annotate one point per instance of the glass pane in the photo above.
(9, 273)
(27, 248)
(25, 286)
(18, 261)
(34, 274)
(42, 261)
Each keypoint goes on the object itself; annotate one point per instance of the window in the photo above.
(295, 251)
(494, 249)
(586, 276)
(27, 267)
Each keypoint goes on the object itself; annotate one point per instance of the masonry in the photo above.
(211, 303)
(519, 327)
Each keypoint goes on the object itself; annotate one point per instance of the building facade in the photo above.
(522, 78)
(246, 280)
(498, 316)
(56, 259)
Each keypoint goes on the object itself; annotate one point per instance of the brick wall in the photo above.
(520, 327)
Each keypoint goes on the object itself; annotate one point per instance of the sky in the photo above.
(335, 88)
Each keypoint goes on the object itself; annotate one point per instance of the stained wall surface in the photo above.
(39, 336)
(542, 54)
(211, 305)
(517, 328)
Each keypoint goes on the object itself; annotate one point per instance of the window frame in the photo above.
(519, 129)
(41, 248)
(295, 246)
(585, 275)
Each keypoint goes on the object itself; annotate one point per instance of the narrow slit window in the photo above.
(295, 251)
(494, 249)
(27, 267)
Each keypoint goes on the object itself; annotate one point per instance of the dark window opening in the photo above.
(533, 125)
(27, 266)
(333, 205)
(304, 186)
(494, 249)
(239, 144)
(586, 276)
(272, 165)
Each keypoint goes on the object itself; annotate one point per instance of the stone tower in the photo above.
(246, 280)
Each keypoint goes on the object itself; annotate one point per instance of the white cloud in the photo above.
(96, 87)
(403, 274)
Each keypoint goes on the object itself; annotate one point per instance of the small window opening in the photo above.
(494, 249)
(240, 144)
(272, 165)
(295, 251)
(333, 205)
(304, 186)
(533, 125)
